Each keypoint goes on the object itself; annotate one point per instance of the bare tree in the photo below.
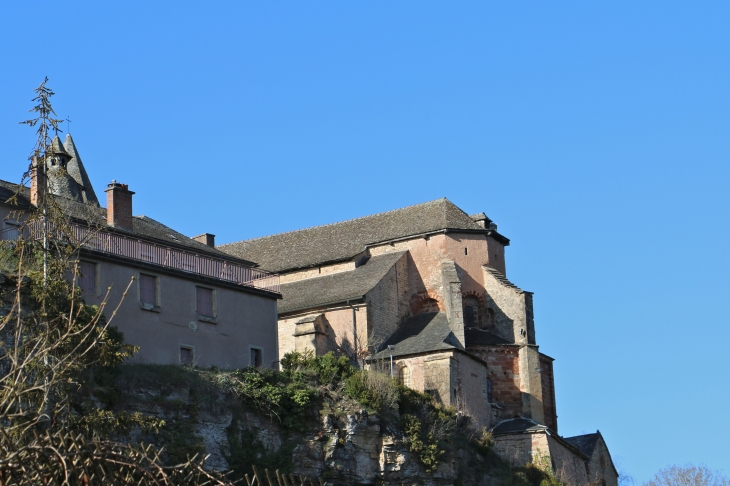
(688, 475)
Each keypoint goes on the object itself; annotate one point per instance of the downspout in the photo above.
(354, 331)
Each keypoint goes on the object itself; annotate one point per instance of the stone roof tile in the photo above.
(338, 287)
(342, 241)
(419, 334)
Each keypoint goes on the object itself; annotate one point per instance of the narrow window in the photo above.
(465, 252)
(204, 301)
(256, 357)
(404, 376)
(489, 390)
(87, 276)
(186, 355)
(468, 316)
(148, 289)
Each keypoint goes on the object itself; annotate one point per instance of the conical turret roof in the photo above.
(78, 172)
(57, 147)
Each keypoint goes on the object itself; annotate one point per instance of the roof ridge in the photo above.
(344, 221)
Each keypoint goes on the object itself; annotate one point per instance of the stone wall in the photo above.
(601, 465)
(387, 303)
(471, 388)
(345, 329)
(569, 467)
(513, 316)
(544, 451)
(548, 392)
(504, 371)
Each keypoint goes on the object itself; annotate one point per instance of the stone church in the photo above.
(422, 293)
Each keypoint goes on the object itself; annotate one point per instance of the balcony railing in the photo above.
(164, 256)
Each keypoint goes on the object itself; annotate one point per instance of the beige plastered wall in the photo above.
(243, 320)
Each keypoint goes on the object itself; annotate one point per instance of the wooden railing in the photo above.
(157, 254)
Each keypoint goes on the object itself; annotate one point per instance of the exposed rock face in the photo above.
(357, 450)
(349, 449)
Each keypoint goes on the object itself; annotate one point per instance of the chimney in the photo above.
(119, 205)
(37, 183)
(206, 239)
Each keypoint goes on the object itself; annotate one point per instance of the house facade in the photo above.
(425, 287)
(186, 302)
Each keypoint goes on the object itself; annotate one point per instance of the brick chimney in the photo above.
(206, 239)
(37, 183)
(119, 205)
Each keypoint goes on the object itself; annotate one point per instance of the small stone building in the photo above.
(423, 287)
(189, 302)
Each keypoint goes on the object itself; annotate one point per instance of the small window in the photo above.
(404, 376)
(87, 276)
(257, 357)
(469, 316)
(204, 300)
(489, 390)
(186, 355)
(11, 231)
(148, 289)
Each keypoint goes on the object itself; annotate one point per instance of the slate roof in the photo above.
(143, 226)
(586, 443)
(480, 337)
(78, 172)
(338, 287)
(420, 334)
(342, 241)
(517, 425)
(7, 190)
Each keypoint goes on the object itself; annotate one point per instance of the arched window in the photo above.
(404, 376)
(469, 316)
(471, 312)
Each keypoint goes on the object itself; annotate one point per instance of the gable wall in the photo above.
(595, 471)
(387, 304)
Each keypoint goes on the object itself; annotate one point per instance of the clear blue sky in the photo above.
(594, 132)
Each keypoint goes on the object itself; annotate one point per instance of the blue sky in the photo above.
(595, 134)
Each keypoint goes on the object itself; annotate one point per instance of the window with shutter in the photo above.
(148, 289)
(204, 301)
(87, 276)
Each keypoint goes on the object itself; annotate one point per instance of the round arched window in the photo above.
(404, 376)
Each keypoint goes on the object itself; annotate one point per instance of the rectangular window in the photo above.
(11, 231)
(148, 289)
(204, 299)
(87, 276)
(257, 357)
(186, 355)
